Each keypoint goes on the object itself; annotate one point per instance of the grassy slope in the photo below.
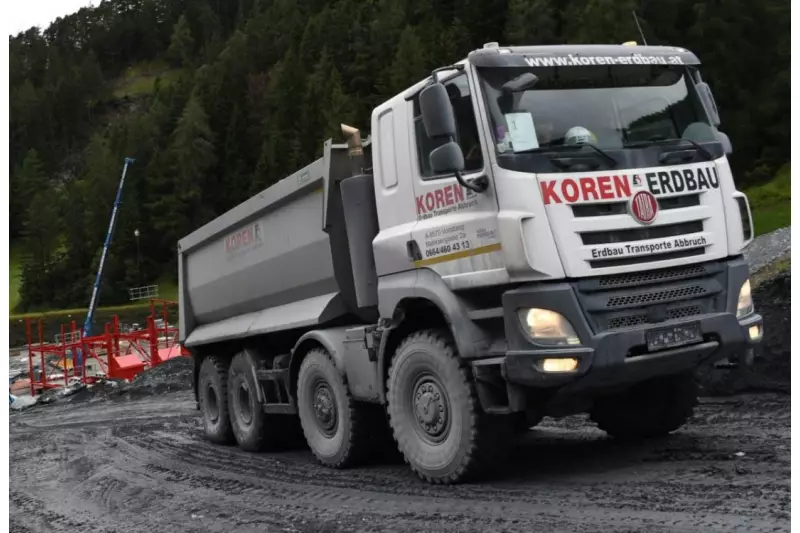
(168, 290)
(771, 202)
(139, 80)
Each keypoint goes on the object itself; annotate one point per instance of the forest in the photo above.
(217, 99)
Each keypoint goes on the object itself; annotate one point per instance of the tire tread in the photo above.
(220, 368)
(358, 438)
(487, 439)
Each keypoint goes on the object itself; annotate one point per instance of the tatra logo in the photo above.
(643, 207)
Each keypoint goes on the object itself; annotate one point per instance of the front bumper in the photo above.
(618, 357)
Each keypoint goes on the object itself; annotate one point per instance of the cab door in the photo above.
(456, 231)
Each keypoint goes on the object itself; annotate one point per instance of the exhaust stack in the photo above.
(354, 149)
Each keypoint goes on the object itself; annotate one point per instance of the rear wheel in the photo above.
(333, 423)
(254, 430)
(650, 409)
(212, 388)
(435, 414)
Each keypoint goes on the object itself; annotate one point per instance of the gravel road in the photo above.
(141, 465)
(767, 248)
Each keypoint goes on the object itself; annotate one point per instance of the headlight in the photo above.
(745, 305)
(548, 327)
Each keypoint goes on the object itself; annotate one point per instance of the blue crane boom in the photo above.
(87, 325)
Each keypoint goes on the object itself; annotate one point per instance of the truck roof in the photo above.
(495, 55)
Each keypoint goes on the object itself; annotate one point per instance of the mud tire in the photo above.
(650, 409)
(212, 395)
(254, 430)
(338, 437)
(427, 381)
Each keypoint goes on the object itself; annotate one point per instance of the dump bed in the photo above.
(278, 261)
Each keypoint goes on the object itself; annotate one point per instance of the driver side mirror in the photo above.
(437, 112)
(439, 121)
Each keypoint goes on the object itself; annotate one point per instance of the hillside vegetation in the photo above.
(217, 100)
(771, 202)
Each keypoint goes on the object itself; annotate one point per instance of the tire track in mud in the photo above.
(96, 466)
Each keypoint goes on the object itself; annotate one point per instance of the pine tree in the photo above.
(181, 45)
(533, 22)
(409, 62)
(27, 182)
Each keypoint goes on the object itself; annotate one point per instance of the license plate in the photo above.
(674, 336)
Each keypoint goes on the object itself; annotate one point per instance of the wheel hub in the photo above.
(325, 408)
(430, 409)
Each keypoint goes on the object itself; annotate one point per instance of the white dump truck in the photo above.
(533, 231)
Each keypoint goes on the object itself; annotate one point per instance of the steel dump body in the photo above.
(268, 264)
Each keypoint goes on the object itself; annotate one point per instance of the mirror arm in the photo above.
(478, 185)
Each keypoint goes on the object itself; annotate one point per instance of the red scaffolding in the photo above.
(119, 355)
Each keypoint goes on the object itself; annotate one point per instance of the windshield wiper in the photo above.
(661, 140)
(572, 148)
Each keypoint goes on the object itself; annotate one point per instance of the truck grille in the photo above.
(652, 276)
(644, 298)
(641, 234)
(635, 299)
(621, 208)
(628, 321)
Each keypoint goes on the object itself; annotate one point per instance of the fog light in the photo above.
(755, 332)
(561, 364)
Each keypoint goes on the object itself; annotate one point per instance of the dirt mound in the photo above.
(772, 370)
(173, 375)
(170, 376)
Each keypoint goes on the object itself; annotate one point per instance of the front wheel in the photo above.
(435, 414)
(335, 425)
(653, 408)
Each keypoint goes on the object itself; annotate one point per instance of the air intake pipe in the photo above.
(354, 149)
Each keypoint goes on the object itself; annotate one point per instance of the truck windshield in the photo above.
(611, 107)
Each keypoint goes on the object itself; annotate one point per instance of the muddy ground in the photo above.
(142, 465)
(130, 457)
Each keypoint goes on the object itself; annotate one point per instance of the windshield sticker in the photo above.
(521, 131)
(573, 60)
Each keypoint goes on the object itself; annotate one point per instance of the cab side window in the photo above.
(466, 130)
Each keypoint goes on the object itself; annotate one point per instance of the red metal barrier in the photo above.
(126, 354)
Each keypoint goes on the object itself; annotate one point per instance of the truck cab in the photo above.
(608, 211)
